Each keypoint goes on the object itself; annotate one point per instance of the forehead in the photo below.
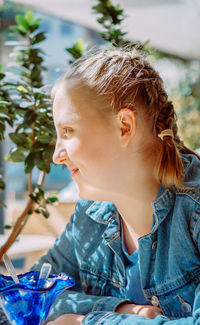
(63, 108)
(72, 104)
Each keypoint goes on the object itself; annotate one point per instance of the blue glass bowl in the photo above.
(29, 302)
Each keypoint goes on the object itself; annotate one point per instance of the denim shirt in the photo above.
(169, 256)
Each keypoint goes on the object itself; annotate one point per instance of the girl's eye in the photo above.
(66, 132)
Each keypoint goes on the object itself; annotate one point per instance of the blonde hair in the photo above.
(125, 78)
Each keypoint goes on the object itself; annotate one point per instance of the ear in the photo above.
(126, 121)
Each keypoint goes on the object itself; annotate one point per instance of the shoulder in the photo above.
(183, 204)
(187, 201)
(94, 211)
(191, 194)
(80, 216)
(89, 222)
(82, 206)
(191, 171)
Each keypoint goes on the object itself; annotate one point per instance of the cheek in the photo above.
(74, 149)
(94, 155)
(100, 155)
(82, 154)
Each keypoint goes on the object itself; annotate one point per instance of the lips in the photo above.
(74, 171)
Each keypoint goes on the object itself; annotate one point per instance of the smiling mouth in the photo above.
(75, 171)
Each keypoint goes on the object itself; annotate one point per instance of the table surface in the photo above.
(28, 243)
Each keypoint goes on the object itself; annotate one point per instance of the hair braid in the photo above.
(169, 168)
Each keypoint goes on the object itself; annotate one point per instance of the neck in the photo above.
(136, 214)
(136, 209)
(137, 190)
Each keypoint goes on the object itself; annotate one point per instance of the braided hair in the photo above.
(125, 78)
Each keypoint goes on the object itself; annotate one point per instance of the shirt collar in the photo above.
(102, 211)
(162, 205)
(105, 211)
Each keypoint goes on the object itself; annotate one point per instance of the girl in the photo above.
(133, 243)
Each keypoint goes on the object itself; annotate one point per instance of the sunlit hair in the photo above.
(127, 80)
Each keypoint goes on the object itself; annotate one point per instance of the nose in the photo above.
(59, 156)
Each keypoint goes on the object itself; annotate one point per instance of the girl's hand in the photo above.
(147, 311)
(71, 319)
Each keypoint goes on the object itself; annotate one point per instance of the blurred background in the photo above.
(171, 27)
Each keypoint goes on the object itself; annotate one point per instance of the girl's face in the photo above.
(86, 142)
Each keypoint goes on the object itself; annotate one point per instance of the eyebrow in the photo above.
(66, 122)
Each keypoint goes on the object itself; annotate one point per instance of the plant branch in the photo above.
(30, 185)
(22, 220)
(19, 225)
(41, 178)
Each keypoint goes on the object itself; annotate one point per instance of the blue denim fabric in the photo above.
(90, 251)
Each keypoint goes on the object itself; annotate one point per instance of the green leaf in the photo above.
(52, 199)
(45, 213)
(30, 117)
(29, 163)
(38, 38)
(33, 197)
(26, 104)
(2, 75)
(15, 29)
(40, 190)
(22, 89)
(2, 129)
(37, 21)
(34, 26)
(42, 166)
(3, 103)
(4, 118)
(18, 138)
(29, 17)
(2, 204)
(47, 154)
(2, 185)
(23, 24)
(77, 49)
(37, 211)
(79, 45)
(44, 138)
(3, 110)
(7, 227)
(15, 155)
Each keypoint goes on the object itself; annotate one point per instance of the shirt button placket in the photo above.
(154, 245)
(186, 307)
